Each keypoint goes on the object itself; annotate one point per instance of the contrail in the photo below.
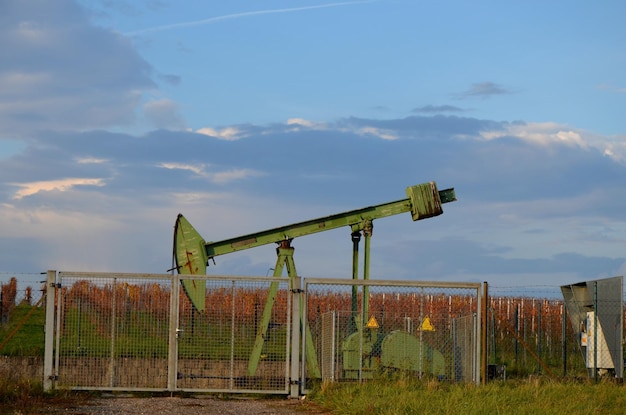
(244, 14)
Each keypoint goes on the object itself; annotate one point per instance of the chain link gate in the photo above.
(139, 332)
(216, 347)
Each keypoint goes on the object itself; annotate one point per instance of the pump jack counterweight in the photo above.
(192, 253)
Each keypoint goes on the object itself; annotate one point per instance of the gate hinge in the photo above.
(297, 290)
(53, 377)
(294, 382)
(53, 285)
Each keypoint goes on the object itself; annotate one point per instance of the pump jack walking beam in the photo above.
(192, 253)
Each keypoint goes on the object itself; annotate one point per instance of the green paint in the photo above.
(190, 259)
(424, 201)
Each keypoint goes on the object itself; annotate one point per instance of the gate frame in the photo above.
(53, 317)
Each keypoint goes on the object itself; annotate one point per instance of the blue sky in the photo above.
(117, 115)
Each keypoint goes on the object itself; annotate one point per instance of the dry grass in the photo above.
(26, 397)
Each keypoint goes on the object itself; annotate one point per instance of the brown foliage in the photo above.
(8, 292)
(248, 303)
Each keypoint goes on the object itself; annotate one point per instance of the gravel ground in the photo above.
(186, 406)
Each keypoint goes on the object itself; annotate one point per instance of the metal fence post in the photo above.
(297, 329)
(539, 334)
(48, 366)
(173, 334)
(482, 334)
(517, 336)
(564, 338)
(595, 331)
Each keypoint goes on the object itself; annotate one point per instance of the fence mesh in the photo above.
(21, 314)
(218, 349)
(364, 332)
(118, 332)
(113, 332)
(534, 331)
(18, 290)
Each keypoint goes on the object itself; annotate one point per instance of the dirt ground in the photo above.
(182, 406)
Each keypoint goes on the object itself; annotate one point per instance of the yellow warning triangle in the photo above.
(372, 323)
(427, 325)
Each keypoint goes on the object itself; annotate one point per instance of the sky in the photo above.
(117, 115)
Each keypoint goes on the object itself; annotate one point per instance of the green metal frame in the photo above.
(192, 252)
(285, 258)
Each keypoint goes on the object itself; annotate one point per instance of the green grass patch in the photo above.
(29, 338)
(535, 396)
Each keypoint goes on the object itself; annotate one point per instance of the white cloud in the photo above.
(91, 160)
(549, 133)
(220, 177)
(63, 185)
(614, 147)
(377, 132)
(307, 123)
(228, 133)
(60, 72)
(235, 174)
(197, 169)
(385, 134)
(538, 133)
(197, 198)
(300, 121)
(296, 125)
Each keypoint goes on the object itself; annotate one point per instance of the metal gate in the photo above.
(139, 332)
(216, 348)
(368, 329)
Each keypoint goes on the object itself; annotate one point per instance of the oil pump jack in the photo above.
(192, 253)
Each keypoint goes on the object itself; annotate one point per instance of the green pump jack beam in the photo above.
(192, 253)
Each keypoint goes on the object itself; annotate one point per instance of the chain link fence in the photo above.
(558, 331)
(119, 331)
(21, 314)
(221, 347)
(370, 329)
(112, 331)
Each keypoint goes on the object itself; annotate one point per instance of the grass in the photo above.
(29, 339)
(391, 396)
(26, 397)
(139, 337)
(529, 396)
